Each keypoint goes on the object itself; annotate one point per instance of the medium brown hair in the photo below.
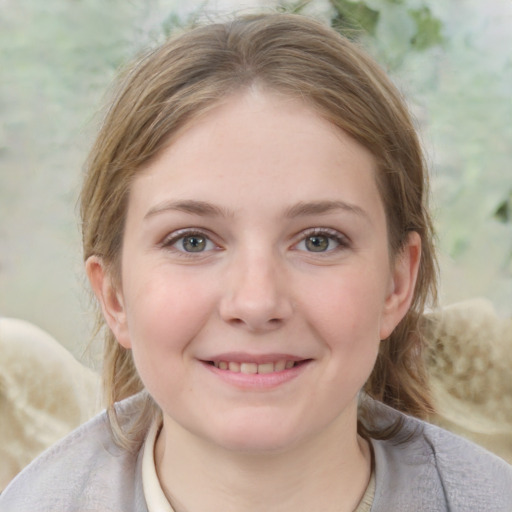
(291, 54)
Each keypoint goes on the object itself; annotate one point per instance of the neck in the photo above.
(329, 473)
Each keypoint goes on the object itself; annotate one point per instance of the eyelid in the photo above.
(342, 239)
(170, 239)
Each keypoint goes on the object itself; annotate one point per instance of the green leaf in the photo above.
(428, 27)
(293, 7)
(504, 211)
(354, 16)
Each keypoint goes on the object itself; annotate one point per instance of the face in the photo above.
(256, 281)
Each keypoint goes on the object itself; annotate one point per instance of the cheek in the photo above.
(346, 313)
(164, 313)
(352, 302)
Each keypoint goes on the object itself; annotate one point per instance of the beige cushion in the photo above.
(44, 393)
(470, 363)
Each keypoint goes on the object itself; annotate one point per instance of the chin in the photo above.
(256, 437)
(257, 444)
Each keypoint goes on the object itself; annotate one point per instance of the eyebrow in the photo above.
(325, 207)
(201, 208)
(301, 209)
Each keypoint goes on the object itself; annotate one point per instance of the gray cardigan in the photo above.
(432, 471)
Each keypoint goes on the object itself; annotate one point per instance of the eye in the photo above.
(317, 243)
(194, 243)
(189, 242)
(322, 240)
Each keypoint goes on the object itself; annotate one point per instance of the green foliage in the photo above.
(173, 21)
(504, 211)
(294, 7)
(411, 27)
(393, 27)
(428, 29)
(354, 17)
(170, 23)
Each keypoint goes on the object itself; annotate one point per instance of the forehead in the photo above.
(259, 147)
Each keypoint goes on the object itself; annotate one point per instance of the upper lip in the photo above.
(241, 357)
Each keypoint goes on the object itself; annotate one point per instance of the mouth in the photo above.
(257, 368)
(258, 373)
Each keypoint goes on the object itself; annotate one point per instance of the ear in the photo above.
(402, 284)
(110, 299)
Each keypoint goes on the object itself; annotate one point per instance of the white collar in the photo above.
(153, 493)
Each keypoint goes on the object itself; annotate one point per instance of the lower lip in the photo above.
(255, 381)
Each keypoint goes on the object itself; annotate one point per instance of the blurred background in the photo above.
(452, 60)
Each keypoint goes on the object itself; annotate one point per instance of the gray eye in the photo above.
(317, 243)
(194, 243)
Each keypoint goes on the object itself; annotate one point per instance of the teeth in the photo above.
(234, 367)
(252, 368)
(248, 368)
(280, 366)
(266, 368)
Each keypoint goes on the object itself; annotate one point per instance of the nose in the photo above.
(256, 294)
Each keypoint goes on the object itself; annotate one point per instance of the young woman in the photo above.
(256, 231)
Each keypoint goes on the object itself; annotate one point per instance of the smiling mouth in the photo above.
(253, 368)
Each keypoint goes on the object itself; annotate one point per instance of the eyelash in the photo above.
(181, 234)
(331, 234)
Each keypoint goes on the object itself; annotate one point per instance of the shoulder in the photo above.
(471, 476)
(432, 469)
(84, 471)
